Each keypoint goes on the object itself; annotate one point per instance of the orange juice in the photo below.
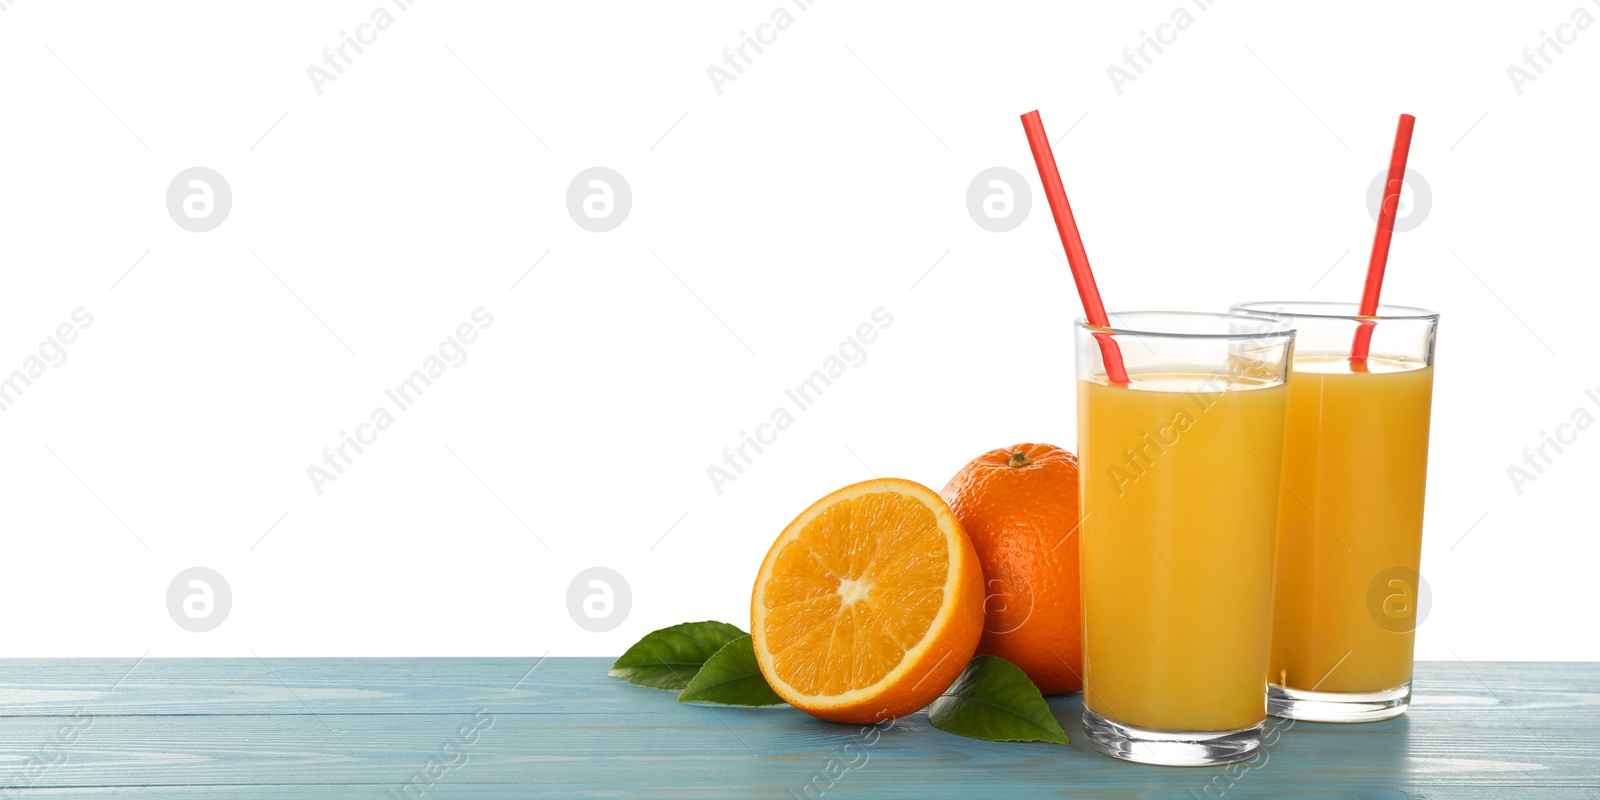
(1350, 524)
(1180, 497)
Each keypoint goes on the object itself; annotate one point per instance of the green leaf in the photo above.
(670, 657)
(994, 700)
(731, 677)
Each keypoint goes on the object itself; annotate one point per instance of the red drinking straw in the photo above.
(1077, 259)
(1380, 241)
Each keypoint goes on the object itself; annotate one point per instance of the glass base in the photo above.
(1169, 748)
(1338, 706)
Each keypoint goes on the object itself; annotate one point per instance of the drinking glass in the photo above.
(1347, 591)
(1180, 500)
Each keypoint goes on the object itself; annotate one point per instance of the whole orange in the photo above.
(1019, 505)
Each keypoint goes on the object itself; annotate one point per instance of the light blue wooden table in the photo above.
(490, 728)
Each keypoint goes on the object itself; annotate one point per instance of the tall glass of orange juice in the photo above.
(1180, 501)
(1347, 591)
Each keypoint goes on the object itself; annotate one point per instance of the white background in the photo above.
(767, 223)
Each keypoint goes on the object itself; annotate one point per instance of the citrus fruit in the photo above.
(1019, 505)
(869, 605)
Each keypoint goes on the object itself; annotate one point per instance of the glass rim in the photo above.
(1386, 311)
(1281, 328)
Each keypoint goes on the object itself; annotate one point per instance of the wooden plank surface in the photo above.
(246, 728)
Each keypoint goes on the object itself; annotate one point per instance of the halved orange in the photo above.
(869, 605)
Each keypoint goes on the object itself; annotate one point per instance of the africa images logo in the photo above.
(199, 199)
